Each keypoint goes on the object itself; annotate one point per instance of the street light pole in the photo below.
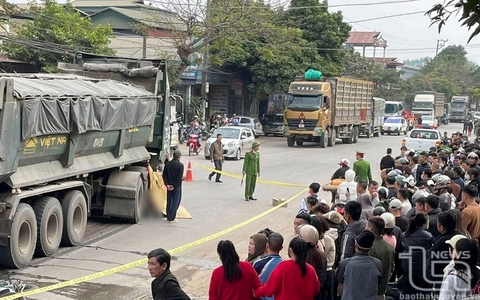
(440, 45)
(205, 87)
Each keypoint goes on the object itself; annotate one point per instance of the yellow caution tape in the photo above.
(144, 260)
(259, 180)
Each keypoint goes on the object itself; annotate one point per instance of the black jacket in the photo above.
(166, 287)
(340, 173)
(432, 218)
(173, 173)
(439, 255)
(416, 261)
(420, 169)
(387, 162)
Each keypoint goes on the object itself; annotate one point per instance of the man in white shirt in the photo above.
(403, 196)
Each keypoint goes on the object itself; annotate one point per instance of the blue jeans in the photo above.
(173, 202)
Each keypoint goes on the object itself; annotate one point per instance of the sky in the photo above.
(408, 36)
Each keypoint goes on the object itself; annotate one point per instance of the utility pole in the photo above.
(440, 45)
(205, 86)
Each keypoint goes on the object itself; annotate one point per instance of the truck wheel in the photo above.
(324, 139)
(21, 245)
(290, 141)
(139, 203)
(74, 207)
(349, 140)
(332, 137)
(48, 212)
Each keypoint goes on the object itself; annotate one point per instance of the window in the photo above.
(248, 133)
(424, 134)
(244, 120)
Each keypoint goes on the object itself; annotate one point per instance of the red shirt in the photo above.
(286, 283)
(221, 289)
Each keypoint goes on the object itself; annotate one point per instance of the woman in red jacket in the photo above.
(235, 279)
(292, 279)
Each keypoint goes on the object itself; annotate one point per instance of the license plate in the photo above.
(301, 126)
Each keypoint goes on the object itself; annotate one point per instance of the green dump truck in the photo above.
(71, 145)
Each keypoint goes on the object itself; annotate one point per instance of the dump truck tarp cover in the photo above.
(66, 103)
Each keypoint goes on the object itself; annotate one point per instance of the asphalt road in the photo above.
(214, 207)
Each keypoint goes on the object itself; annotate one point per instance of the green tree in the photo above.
(267, 58)
(449, 72)
(55, 34)
(327, 30)
(419, 62)
(468, 10)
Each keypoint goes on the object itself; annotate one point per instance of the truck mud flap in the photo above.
(122, 192)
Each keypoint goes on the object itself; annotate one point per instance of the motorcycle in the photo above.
(182, 133)
(193, 144)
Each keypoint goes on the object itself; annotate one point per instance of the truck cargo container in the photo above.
(323, 109)
(71, 145)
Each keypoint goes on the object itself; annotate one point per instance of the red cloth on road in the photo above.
(221, 289)
(286, 283)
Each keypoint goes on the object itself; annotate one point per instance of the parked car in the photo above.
(236, 141)
(252, 123)
(396, 125)
(273, 124)
(422, 139)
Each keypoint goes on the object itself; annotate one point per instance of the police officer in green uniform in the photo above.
(251, 169)
(362, 168)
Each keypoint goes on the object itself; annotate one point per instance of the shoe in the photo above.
(253, 199)
(246, 199)
(219, 181)
(210, 177)
(174, 221)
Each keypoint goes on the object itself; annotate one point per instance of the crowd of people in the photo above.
(412, 235)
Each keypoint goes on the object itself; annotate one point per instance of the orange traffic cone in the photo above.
(189, 176)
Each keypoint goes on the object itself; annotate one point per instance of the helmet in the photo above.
(403, 161)
(344, 162)
(378, 210)
(394, 173)
(308, 233)
(389, 220)
(195, 117)
(382, 192)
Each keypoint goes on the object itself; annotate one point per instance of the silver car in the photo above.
(236, 141)
(252, 123)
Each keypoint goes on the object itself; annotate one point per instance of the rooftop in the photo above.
(103, 3)
(361, 38)
(391, 61)
(151, 18)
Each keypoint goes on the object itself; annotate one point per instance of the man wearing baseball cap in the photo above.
(362, 168)
(359, 276)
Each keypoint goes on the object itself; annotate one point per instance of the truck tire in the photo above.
(48, 212)
(21, 244)
(290, 141)
(139, 203)
(74, 207)
(332, 137)
(324, 139)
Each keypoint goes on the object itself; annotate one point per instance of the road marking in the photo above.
(259, 180)
(144, 260)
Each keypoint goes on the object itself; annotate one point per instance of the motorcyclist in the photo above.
(195, 122)
(198, 131)
(234, 120)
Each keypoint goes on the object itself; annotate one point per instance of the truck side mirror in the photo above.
(326, 102)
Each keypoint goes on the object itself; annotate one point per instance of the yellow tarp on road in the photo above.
(158, 195)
